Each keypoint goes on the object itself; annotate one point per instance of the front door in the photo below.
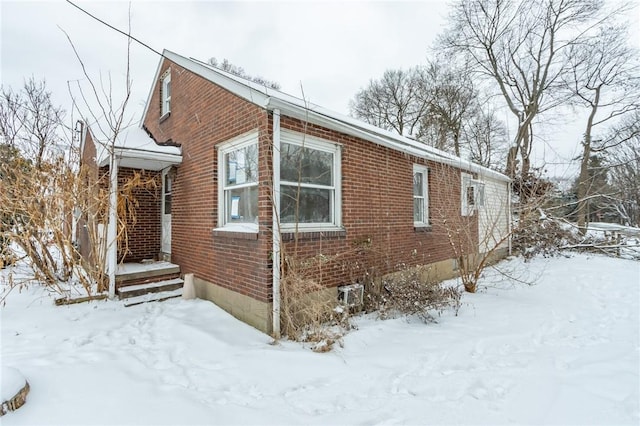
(167, 183)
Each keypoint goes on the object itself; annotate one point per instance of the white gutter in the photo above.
(276, 223)
(112, 228)
(408, 147)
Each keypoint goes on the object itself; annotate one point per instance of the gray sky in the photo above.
(331, 49)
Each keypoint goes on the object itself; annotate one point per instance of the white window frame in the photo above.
(418, 168)
(306, 141)
(232, 145)
(166, 99)
(477, 187)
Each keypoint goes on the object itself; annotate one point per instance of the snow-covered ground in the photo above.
(563, 351)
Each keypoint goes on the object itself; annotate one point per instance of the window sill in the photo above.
(165, 116)
(422, 228)
(240, 231)
(313, 234)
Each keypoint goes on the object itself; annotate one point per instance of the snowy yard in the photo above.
(564, 351)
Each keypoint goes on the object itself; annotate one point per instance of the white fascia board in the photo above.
(250, 92)
(153, 85)
(127, 153)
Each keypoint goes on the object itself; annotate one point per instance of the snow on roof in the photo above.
(270, 99)
(137, 149)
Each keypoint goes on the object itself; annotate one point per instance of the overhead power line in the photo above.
(114, 28)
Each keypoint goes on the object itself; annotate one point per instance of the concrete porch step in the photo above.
(129, 291)
(152, 297)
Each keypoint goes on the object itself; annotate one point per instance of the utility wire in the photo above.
(116, 29)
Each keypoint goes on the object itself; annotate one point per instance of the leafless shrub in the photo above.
(540, 236)
(309, 311)
(411, 292)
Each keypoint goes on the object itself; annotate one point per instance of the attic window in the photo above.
(165, 94)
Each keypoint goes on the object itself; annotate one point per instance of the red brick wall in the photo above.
(377, 202)
(377, 213)
(203, 116)
(143, 227)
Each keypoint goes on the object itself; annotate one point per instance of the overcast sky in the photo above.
(331, 49)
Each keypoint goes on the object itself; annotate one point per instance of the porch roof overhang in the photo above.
(134, 148)
(143, 159)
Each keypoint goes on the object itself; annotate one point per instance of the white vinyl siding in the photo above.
(493, 215)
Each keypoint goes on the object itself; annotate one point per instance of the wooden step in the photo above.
(152, 297)
(133, 272)
(152, 287)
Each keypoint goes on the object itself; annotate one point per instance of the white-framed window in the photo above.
(472, 194)
(165, 92)
(238, 181)
(310, 182)
(420, 195)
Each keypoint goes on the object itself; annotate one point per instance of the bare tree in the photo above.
(30, 121)
(396, 102)
(623, 162)
(453, 98)
(231, 68)
(486, 138)
(521, 46)
(604, 79)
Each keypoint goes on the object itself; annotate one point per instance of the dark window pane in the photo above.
(418, 184)
(470, 196)
(305, 165)
(167, 204)
(418, 210)
(313, 206)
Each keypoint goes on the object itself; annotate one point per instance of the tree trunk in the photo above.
(583, 180)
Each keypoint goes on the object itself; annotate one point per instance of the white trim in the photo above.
(151, 90)
(163, 213)
(419, 168)
(277, 254)
(248, 228)
(333, 148)
(234, 144)
(112, 226)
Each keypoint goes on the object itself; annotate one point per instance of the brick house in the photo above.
(364, 198)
